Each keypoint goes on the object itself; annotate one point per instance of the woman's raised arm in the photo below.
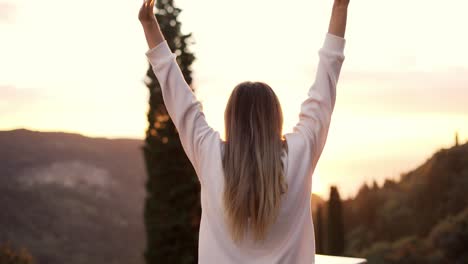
(337, 25)
(317, 108)
(196, 136)
(150, 25)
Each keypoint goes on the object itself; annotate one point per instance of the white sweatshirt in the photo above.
(291, 239)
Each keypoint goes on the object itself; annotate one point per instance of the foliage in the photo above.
(172, 207)
(9, 255)
(400, 222)
(335, 235)
(61, 221)
(328, 225)
(319, 232)
(451, 236)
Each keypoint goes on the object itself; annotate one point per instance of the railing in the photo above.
(326, 259)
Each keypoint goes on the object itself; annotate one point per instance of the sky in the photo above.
(403, 90)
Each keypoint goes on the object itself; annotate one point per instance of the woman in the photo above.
(255, 185)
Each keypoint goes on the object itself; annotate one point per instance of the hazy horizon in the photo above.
(401, 95)
(408, 166)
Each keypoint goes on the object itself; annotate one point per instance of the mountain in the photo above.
(402, 219)
(70, 199)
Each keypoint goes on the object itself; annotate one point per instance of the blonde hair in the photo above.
(253, 169)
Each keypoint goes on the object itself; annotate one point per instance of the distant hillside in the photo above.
(399, 217)
(71, 199)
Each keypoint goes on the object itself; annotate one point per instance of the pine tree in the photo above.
(335, 223)
(172, 207)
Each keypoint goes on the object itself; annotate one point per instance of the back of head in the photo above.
(254, 177)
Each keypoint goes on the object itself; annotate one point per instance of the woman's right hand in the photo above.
(146, 15)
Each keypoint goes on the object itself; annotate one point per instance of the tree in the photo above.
(451, 236)
(319, 227)
(172, 207)
(335, 223)
(9, 255)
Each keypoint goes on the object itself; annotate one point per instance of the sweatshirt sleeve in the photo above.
(181, 103)
(316, 110)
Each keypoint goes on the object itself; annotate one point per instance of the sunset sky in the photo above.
(78, 66)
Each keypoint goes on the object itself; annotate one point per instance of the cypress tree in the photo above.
(335, 223)
(319, 245)
(172, 206)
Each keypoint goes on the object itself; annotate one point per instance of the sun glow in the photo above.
(401, 94)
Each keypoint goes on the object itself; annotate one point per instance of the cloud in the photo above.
(432, 92)
(16, 99)
(7, 12)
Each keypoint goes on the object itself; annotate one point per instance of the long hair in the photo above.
(253, 169)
